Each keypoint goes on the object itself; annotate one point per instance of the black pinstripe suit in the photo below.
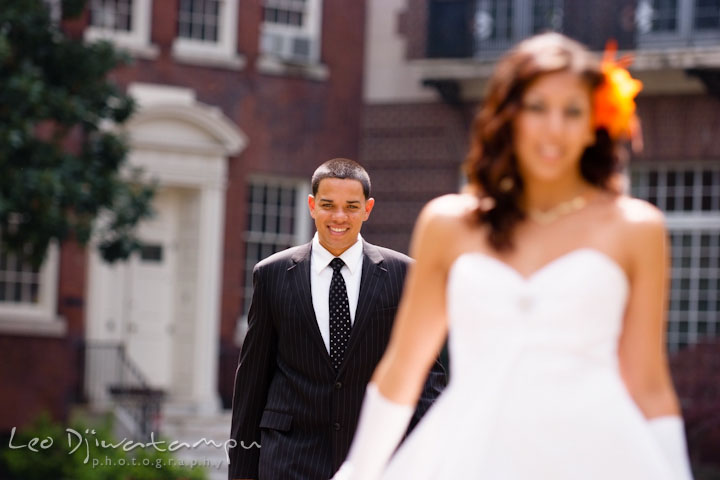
(288, 398)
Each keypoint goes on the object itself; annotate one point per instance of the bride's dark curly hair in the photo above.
(491, 165)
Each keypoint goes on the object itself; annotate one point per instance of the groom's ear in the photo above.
(311, 205)
(369, 204)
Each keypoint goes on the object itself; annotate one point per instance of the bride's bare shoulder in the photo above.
(638, 223)
(441, 223)
(452, 207)
(634, 213)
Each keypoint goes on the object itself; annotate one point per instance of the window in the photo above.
(125, 22)
(690, 196)
(278, 218)
(19, 281)
(290, 30)
(678, 189)
(114, 15)
(207, 33)
(663, 23)
(706, 15)
(198, 20)
(498, 24)
(28, 295)
(547, 15)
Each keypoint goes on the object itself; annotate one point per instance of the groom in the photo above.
(319, 321)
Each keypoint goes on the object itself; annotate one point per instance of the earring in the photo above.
(506, 184)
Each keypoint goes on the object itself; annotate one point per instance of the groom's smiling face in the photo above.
(339, 209)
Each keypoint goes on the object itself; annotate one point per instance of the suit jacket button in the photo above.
(338, 385)
(336, 426)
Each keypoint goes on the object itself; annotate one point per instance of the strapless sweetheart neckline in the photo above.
(548, 266)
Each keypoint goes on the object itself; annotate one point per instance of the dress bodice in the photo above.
(573, 306)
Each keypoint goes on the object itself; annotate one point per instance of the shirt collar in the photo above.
(321, 257)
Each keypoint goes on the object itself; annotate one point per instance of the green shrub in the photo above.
(82, 452)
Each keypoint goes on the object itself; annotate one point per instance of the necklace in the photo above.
(561, 209)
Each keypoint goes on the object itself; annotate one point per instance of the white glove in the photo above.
(381, 426)
(670, 434)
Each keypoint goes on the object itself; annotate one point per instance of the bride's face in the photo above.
(554, 127)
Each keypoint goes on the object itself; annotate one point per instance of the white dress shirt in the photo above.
(321, 275)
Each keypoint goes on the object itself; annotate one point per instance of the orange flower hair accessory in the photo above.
(614, 100)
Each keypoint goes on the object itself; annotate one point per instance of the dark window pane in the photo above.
(665, 14)
(151, 253)
(707, 14)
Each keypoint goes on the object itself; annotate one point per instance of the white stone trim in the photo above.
(271, 65)
(226, 139)
(207, 332)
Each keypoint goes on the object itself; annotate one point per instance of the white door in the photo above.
(150, 293)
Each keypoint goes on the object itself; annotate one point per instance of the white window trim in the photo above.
(137, 41)
(222, 53)
(312, 27)
(271, 65)
(40, 319)
(522, 27)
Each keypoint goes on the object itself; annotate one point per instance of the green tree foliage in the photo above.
(59, 163)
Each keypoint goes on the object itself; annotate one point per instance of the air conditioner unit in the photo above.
(294, 47)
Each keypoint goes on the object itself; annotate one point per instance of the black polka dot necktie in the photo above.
(339, 315)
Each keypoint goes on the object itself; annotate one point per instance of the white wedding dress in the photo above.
(535, 390)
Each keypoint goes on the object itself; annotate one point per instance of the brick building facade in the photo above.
(239, 101)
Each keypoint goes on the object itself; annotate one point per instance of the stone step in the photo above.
(198, 431)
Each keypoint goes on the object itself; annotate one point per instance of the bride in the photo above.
(552, 287)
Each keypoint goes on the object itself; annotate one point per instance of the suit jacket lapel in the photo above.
(371, 284)
(299, 273)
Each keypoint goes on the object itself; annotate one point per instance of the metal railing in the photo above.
(114, 382)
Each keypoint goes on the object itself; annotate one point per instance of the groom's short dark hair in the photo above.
(343, 168)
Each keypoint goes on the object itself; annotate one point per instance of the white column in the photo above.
(207, 325)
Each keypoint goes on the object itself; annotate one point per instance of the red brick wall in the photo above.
(37, 374)
(413, 153)
(680, 127)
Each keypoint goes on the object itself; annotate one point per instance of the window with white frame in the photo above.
(290, 30)
(207, 32)
(19, 281)
(125, 22)
(278, 218)
(498, 24)
(199, 20)
(689, 194)
(28, 294)
(668, 23)
(113, 15)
